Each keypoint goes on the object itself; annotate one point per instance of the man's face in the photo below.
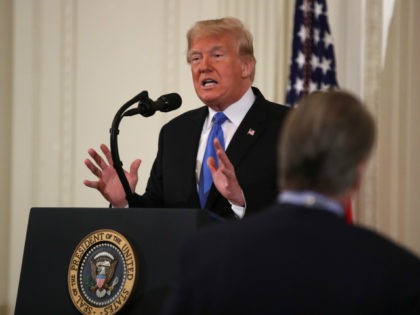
(220, 77)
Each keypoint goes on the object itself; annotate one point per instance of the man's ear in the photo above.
(355, 187)
(361, 171)
(247, 65)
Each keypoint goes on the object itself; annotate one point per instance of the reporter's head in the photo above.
(325, 144)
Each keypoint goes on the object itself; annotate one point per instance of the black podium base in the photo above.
(54, 233)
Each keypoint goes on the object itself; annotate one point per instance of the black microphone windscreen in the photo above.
(170, 101)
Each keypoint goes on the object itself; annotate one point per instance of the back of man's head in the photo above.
(324, 143)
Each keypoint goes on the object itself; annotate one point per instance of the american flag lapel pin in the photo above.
(251, 132)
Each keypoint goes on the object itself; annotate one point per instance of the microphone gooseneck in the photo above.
(146, 107)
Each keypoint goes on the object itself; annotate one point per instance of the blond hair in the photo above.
(226, 25)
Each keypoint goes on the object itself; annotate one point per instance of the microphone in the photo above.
(168, 102)
(148, 107)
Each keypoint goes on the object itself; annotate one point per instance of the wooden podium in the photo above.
(54, 233)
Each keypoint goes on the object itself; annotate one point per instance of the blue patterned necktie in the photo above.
(205, 177)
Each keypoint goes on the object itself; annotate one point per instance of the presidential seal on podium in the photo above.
(102, 273)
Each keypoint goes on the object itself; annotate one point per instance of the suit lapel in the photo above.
(194, 126)
(193, 129)
(249, 131)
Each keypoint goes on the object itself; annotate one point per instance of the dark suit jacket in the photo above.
(172, 182)
(295, 260)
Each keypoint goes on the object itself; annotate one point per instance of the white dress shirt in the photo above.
(235, 114)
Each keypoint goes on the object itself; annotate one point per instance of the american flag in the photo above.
(312, 66)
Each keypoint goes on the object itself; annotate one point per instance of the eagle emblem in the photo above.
(102, 272)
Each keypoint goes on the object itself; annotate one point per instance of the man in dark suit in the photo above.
(222, 61)
(299, 256)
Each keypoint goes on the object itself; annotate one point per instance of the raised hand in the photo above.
(108, 183)
(224, 177)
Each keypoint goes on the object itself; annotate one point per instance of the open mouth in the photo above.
(208, 83)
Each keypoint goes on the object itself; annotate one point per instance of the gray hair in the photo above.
(323, 143)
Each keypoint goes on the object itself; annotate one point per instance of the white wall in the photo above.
(76, 62)
(5, 140)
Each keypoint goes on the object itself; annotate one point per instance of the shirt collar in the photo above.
(236, 111)
(311, 199)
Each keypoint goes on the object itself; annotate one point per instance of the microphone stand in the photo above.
(144, 109)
